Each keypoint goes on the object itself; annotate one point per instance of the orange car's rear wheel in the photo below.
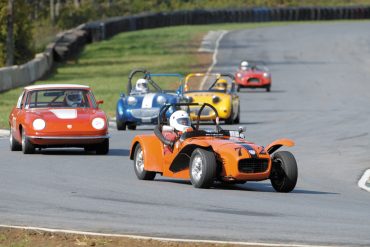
(139, 168)
(284, 171)
(202, 168)
(27, 146)
(14, 144)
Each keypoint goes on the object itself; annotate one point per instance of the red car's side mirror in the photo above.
(99, 102)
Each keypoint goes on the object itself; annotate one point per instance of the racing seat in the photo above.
(168, 133)
(167, 136)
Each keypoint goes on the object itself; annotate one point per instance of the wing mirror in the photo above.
(241, 130)
(122, 95)
(99, 102)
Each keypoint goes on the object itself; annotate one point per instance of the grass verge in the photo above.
(10, 237)
(105, 65)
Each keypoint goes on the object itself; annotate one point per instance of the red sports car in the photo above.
(58, 115)
(254, 76)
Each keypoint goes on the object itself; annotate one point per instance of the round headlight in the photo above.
(161, 100)
(38, 124)
(188, 99)
(239, 75)
(131, 100)
(98, 123)
(266, 75)
(215, 99)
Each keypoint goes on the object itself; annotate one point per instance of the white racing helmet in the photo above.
(244, 65)
(73, 98)
(180, 120)
(142, 85)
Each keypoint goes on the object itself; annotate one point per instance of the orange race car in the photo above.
(183, 150)
(58, 115)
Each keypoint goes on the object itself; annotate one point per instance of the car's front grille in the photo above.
(253, 165)
(145, 112)
(207, 111)
(253, 80)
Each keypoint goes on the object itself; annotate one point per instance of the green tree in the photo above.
(22, 32)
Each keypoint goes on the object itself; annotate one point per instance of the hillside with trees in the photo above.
(33, 23)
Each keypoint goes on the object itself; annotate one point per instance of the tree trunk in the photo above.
(77, 4)
(57, 8)
(10, 36)
(52, 12)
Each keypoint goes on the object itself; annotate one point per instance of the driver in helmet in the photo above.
(244, 65)
(221, 84)
(73, 98)
(179, 123)
(142, 86)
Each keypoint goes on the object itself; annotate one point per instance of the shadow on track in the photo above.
(78, 151)
(263, 91)
(249, 186)
(118, 152)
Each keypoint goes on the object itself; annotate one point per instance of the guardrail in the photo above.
(69, 43)
(66, 45)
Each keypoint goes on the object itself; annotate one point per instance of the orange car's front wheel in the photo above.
(202, 168)
(139, 168)
(284, 171)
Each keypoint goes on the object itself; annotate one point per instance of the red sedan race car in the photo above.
(253, 76)
(184, 150)
(59, 115)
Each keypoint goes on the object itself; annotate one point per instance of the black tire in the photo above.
(230, 119)
(234, 182)
(284, 171)
(102, 148)
(131, 126)
(120, 125)
(238, 88)
(89, 148)
(14, 144)
(140, 172)
(268, 89)
(237, 119)
(27, 146)
(202, 168)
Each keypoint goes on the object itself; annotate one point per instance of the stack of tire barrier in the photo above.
(105, 29)
(68, 44)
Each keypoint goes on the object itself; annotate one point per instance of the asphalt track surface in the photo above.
(320, 98)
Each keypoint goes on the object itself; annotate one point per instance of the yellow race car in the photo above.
(219, 90)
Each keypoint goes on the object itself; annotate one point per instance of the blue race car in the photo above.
(142, 103)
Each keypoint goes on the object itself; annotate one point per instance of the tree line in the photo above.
(18, 18)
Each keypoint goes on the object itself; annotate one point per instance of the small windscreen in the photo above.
(60, 98)
(209, 82)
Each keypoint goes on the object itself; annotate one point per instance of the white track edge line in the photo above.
(362, 182)
(214, 57)
(163, 239)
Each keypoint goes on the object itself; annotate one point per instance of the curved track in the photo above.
(320, 98)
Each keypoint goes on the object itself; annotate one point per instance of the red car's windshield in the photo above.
(60, 98)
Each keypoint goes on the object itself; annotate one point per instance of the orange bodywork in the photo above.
(230, 153)
(63, 126)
